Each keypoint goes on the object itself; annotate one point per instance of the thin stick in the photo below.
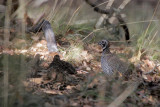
(138, 22)
(73, 15)
(92, 33)
(102, 3)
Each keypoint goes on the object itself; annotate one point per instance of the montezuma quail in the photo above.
(61, 65)
(110, 63)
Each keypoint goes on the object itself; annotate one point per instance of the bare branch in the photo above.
(125, 2)
(99, 22)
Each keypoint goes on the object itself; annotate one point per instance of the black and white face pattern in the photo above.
(104, 44)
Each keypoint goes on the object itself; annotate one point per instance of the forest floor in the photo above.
(87, 87)
(30, 76)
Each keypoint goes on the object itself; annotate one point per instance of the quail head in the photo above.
(110, 63)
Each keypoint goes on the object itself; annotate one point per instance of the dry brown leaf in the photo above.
(36, 80)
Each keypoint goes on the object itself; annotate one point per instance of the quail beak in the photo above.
(99, 47)
(99, 43)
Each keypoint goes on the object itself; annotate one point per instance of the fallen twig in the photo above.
(153, 70)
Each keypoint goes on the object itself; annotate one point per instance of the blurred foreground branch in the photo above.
(128, 91)
(2, 8)
(6, 44)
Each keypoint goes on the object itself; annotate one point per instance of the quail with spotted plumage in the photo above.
(110, 63)
(61, 65)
